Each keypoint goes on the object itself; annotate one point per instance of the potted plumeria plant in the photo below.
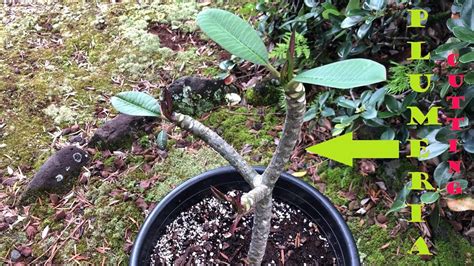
(261, 185)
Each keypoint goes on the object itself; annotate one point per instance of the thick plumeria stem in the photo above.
(218, 144)
(296, 107)
(260, 230)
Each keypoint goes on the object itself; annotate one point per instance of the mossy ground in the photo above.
(76, 57)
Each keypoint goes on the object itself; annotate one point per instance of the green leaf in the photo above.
(370, 113)
(374, 4)
(323, 98)
(162, 140)
(377, 97)
(441, 174)
(469, 78)
(365, 97)
(347, 120)
(352, 5)
(468, 139)
(327, 111)
(337, 131)
(433, 150)
(385, 115)
(136, 103)
(451, 46)
(346, 103)
(330, 9)
(451, 23)
(466, 58)
(408, 100)
(351, 21)
(344, 49)
(233, 34)
(311, 3)
(389, 134)
(310, 114)
(364, 29)
(429, 197)
(464, 34)
(463, 183)
(405, 191)
(345, 74)
(397, 205)
(393, 105)
(467, 15)
(444, 89)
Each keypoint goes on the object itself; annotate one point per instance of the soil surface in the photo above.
(203, 234)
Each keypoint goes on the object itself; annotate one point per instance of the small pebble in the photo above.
(15, 255)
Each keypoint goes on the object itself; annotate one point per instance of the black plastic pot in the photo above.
(288, 189)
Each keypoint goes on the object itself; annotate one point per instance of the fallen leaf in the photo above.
(381, 185)
(461, 205)
(300, 174)
(45, 232)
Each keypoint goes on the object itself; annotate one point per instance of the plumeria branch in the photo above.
(218, 144)
(296, 107)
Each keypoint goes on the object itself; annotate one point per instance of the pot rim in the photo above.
(345, 237)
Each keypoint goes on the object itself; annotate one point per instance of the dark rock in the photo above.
(3, 226)
(26, 251)
(354, 205)
(382, 218)
(54, 199)
(11, 219)
(59, 215)
(195, 96)
(75, 128)
(57, 174)
(76, 139)
(15, 255)
(117, 133)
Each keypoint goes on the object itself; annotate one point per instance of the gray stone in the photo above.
(118, 132)
(15, 255)
(58, 174)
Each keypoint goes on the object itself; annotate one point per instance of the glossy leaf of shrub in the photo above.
(441, 174)
(434, 149)
(345, 74)
(400, 201)
(351, 21)
(233, 34)
(463, 183)
(374, 4)
(389, 134)
(468, 139)
(310, 114)
(429, 197)
(464, 34)
(466, 58)
(467, 14)
(136, 103)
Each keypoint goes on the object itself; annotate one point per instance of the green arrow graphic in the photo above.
(344, 149)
